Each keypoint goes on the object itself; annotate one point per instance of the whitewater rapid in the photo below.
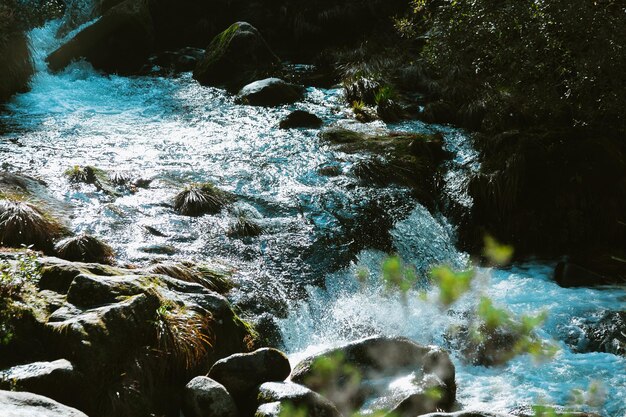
(173, 131)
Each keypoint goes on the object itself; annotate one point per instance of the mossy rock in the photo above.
(236, 57)
(91, 175)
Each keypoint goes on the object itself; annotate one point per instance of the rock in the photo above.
(241, 373)
(119, 42)
(236, 57)
(25, 404)
(301, 118)
(389, 111)
(274, 396)
(603, 332)
(182, 60)
(57, 380)
(569, 275)
(205, 397)
(270, 92)
(362, 369)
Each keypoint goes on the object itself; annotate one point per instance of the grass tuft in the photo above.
(201, 198)
(84, 248)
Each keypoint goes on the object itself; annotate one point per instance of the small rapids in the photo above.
(318, 230)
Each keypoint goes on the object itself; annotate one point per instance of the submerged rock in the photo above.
(119, 42)
(181, 60)
(25, 404)
(301, 118)
(236, 57)
(360, 371)
(270, 92)
(205, 397)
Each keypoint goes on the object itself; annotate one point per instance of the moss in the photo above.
(92, 176)
(209, 277)
(218, 46)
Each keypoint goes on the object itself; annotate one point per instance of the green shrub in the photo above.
(526, 62)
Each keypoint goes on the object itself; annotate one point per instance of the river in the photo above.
(318, 230)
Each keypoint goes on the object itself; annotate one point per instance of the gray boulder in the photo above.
(57, 380)
(424, 376)
(205, 397)
(25, 404)
(236, 57)
(273, 397)
(243, 372)
(270, 92)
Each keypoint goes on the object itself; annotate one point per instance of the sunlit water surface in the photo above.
(173, 131)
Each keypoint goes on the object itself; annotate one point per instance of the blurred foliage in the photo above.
(519, 63)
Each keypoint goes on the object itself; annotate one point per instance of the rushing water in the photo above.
(318, 230)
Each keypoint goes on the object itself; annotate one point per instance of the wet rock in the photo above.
(57, 380)
(394, 158)
(159, 249)
(97, 177)
(301, 118)
(273, 397)
(119, 42)
(270, 92)
(389, 111)
(329, 170)
(603, 332)
(84, 248)
(236, 57)
(57, 275)
(362, 370)
(205, 397)
(241, 373)
(25, 404)
(269, 331)
(182, 60)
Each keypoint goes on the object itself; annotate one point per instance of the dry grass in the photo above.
(199, 199)
(84, 248)
(24, 224)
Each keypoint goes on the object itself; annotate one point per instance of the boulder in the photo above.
(569, 275)
(241, 373)
(119, 42)
(57, 380)
(236, 57)
(301, 118)
(26, 404)
(273, 397)
(424, 376)
(270, 92)
(205, 397)
(78, 12)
